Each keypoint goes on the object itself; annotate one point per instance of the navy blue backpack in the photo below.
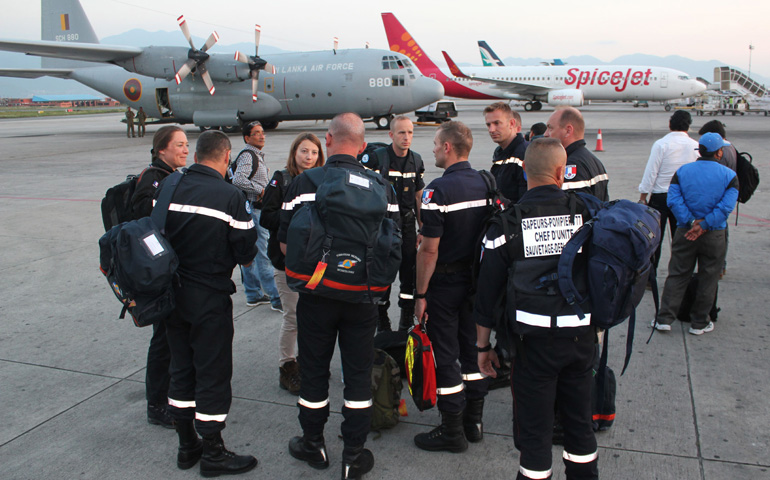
(619, 240)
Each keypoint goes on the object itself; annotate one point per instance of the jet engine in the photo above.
(571, 97)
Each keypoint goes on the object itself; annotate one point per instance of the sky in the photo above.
(700, 30)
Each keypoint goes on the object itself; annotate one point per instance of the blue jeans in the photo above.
(259, 275)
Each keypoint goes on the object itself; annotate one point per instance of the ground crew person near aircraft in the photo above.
(453, 208)
(506, 161)
(554, 349)
(584, 172)
(211, 231)
(405, 172)
(141, 118)
(320, 320)
(130, 123)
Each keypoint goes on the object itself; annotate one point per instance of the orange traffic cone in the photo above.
(599, 146)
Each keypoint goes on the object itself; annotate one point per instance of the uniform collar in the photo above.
(204, 169)
(458, 166)
(575, 145)
(341, 159)
(541, 193)
(162, 165)
(508, 151)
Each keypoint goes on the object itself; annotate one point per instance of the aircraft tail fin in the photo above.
(488, 57)
(402, 42)
(65, 21)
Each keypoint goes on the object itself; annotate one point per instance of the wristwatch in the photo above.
(484, 349)
(690, 223)
(418, 296)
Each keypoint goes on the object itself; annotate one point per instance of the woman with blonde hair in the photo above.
(306, 152)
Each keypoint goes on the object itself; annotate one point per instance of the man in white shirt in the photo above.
(667, 155)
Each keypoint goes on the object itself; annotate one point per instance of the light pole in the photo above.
(751, 47)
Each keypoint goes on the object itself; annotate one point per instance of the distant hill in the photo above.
(24, 88)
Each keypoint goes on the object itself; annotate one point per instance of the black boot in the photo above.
(448, 436)
(474, 428)
(407, 319)
(190, 446)
(310, 450)
(157, 414)
(356, 461)
(383, 322)
(217, 460)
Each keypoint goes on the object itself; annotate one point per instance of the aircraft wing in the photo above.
(35, 72)
(89, 52)
(509, 86)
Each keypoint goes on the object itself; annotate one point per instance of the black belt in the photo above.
(449, 268)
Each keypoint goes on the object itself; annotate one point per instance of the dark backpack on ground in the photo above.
(603, 408)
(140, 264)
(116, 204)
(748, 176)
(343, 244)
(619, 241)
(394, 344)
(386, 391)
(689, 298)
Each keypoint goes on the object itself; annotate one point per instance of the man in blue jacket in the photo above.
(701, 196)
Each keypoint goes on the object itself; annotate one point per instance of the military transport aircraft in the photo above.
(554, 84)
(181, 85)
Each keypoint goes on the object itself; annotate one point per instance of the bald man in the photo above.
(320, 320)
(554, 349)
(583, 172)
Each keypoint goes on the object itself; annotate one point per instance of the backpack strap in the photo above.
(383, 160)
(160, 210)
(566, 264)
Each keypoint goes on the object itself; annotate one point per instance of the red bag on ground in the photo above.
(420, 368)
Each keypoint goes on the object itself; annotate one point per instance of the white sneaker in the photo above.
(701, 331)
(660, 326)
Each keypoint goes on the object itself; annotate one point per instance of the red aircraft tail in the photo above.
(402, 42)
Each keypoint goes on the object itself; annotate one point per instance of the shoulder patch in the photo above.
(570, 172)
(274, 183)
(248, 207)
(365, 158)
(427, 196)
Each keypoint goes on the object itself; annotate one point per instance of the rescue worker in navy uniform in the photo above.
(321, 320)
(405, 172)
(211, 231)
(554, 348)
(169, 152)
(584, 172)
(504, 130)
(453, 209)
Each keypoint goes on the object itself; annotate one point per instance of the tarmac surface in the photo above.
(72, 374)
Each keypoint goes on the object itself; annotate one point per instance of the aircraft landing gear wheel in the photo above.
(383, 122)
(271, 125)
(667, 108)
(538, 106)
(528, 107)
(231, 129)
(205, 129)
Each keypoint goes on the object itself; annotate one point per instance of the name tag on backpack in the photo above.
(359, 181)
(545, 236)
(153, 245)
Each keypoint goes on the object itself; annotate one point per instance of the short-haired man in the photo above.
(667, 155)
(584, 172)
(504, 128)
(210, 231)
(537, 131)
(251, 176)
(130, 123)
(320, 320)
(555, 350)
(141, 119)
(404, 169)
(701, 196)
(453, 210)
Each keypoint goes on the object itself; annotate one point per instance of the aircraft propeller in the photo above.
(255, 63)
(196, 59)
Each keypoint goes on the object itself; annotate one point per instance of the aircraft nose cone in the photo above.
(427, 90)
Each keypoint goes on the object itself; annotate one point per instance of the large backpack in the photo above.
(140, 264)
(343, 245)
(386, 391)
(367, 156)
(421, 368)
(116, 204)
(748, 176)
(620, 240)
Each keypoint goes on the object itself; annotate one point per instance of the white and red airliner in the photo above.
(552, 84)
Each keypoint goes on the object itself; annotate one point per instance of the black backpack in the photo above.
(367, 156)
(234, 165)
(343, 245)
(140, 264)
(116, 204)
(748, 176)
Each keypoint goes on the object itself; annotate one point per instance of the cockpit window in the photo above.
(683, 77)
